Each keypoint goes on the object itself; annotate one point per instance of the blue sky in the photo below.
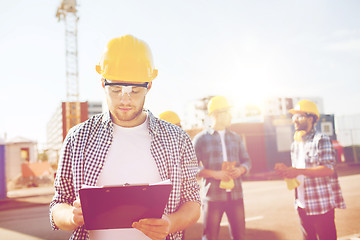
(242, 49)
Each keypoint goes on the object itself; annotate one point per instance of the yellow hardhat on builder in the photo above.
(306, 106)
(217, 103)
(127, 59)
(170, 117)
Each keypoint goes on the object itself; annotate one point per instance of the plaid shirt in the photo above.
(208, 150)
(85, 149)
(321, 194)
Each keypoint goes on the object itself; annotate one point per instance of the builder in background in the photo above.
(223, 160)
(171, 117)
(127, 144)
(313, 166)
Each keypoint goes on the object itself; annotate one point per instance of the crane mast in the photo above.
(67, 12)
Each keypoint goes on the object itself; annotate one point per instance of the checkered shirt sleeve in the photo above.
(175, 157)
(81, 157)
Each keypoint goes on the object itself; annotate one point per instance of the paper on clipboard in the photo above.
(112, 207)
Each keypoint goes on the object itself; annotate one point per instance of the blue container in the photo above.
(2, 171)
(276, 152)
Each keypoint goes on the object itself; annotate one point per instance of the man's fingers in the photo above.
(78, 218)
(280, 166)
(152, 233)
(77, 211)
(146, 227)
(226, 178)
(77, 203)
(152, 221)
(153, 228)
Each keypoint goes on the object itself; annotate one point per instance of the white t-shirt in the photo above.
(300, 163)
(130, 161)
(222, 137)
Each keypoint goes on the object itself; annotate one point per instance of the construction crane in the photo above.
(67, 12)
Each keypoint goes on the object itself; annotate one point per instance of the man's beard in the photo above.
(301, 127)
(129, 115)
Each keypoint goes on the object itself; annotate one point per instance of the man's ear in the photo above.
(103, 82)
(313, 121)
(149, 86)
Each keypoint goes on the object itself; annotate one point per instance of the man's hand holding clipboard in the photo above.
(78, 218)
(154, 228)
(137, 206)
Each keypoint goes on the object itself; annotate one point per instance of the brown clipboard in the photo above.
(115, 207)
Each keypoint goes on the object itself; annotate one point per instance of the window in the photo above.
(24, 154)
(327, 128)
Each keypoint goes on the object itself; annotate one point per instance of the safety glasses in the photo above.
(119, 89)
(299, 117)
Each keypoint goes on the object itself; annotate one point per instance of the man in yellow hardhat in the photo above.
(224, 159)
(313, 165)
(127, 144)
(170, 117)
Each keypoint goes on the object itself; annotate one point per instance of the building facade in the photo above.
(280, 106)
(66, 115)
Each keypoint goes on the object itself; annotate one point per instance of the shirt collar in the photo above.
(152, 121)
(211, 131)
(153, 126)
(310, 134)
(106, 119)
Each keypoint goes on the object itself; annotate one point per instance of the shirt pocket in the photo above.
(312, 159)
(234, 154)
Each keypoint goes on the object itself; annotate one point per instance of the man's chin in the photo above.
(125, 116)
(128, 116)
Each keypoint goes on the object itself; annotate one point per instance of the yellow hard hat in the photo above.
(217, 103)
(306, 106)
(127, 59)
(170, 117)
